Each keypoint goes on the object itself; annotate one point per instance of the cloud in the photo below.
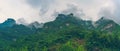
(75, 10)
(46, 10)
(17, 9)
(43, 5)
(91, 8)
(111, 11)
(116, 12)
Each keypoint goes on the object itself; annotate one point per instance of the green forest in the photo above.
(65, 33)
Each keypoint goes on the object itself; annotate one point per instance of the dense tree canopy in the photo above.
(66, 33)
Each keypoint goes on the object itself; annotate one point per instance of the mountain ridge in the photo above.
(56, 35)
(63, 20)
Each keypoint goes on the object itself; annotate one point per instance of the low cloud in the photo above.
(46, 10)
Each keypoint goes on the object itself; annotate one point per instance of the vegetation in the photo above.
(69, 34)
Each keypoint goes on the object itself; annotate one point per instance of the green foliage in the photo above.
(66, 33)
(67, 47)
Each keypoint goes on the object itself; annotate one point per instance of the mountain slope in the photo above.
(65, 33)
(8, 23)
(10, 31)
(65, 21)
(104, 24)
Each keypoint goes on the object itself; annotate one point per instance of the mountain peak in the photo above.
(71, 14)
(105, 24)
(36, 24)
(10, 20)
(8, 23)
(104, 20)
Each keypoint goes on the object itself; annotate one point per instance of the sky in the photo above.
(28, 11)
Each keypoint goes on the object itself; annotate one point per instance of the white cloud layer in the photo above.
(43, 10)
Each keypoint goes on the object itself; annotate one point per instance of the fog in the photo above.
(47, 10)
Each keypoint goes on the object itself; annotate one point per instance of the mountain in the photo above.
(65, 33)
(9, 30)
(105, 24)
(36, 25)
(8, 23)
(68, 33)
(65, 21)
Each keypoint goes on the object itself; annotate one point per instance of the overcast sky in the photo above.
(46, 10)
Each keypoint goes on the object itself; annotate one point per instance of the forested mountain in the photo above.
(65, 33)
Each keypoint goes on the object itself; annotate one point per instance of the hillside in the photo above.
(65, 33)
